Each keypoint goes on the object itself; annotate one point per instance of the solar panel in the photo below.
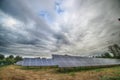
(75, 61)
(68, 61)
(36, 62)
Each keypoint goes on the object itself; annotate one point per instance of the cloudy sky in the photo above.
(45, 27)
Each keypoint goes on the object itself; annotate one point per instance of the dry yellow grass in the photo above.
(13, 72)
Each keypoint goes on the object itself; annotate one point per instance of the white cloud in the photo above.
(85, 35)
(84, 27)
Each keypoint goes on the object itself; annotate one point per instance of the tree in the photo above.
(2, 57)
(18, 58)
(11, 56)
(115, 50)
(10, 60)
(106, 55)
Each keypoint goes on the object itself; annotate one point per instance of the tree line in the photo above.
(9, 60)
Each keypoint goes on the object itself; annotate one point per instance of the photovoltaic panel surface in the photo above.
(68, 61)
(75, 61)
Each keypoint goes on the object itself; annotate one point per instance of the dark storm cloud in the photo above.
(35, 34)
(61, 39)
(20, 10)
(5, 39)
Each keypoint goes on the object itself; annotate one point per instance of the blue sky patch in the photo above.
(46, 15)
(58, 7)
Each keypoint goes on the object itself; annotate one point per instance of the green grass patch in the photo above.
(110, 78)
(72, 74)
(98, 70)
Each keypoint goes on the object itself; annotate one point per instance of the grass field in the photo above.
(13, 72)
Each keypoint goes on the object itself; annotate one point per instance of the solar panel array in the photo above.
(36, 62)
(68, 61)
(75, 61)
